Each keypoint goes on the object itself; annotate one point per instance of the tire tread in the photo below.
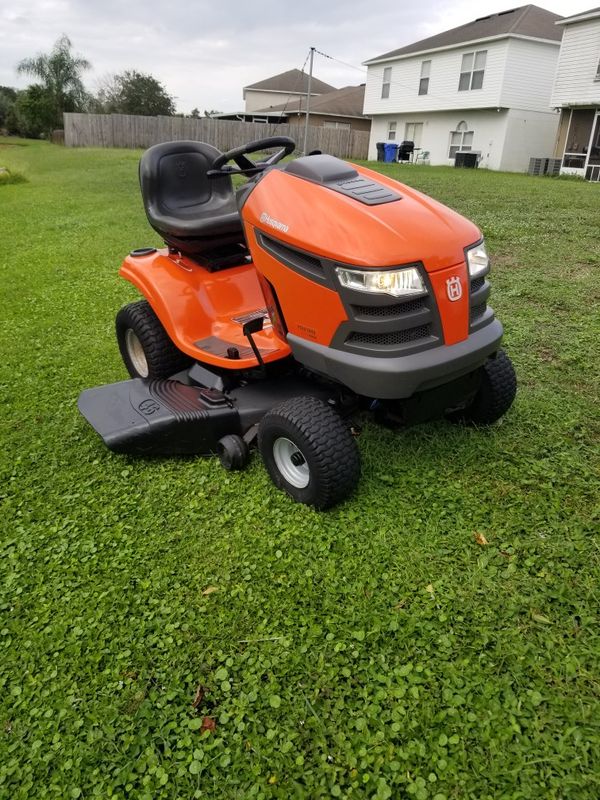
(330, 441)
(163, 357)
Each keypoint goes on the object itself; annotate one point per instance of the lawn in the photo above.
(170, 630)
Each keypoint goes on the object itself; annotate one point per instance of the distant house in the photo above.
(483, 87)
(341, 108)
(285, 96)
(577, 93)
(281, 88)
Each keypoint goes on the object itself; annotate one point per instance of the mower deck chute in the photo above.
(160, 417)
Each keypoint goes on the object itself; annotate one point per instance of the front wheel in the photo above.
(495, 395)
(309, 452)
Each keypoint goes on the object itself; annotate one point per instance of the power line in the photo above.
(289, 97)
(345, 63)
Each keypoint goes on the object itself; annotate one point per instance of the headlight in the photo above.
(397, 282)
(478, 261)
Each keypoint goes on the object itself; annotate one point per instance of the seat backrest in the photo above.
(176, 190)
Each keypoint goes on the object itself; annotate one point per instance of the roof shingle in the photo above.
(293, 81)
(345, 102)
(526, 20)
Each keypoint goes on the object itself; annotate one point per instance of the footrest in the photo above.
(160, 417)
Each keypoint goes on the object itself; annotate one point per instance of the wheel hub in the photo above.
(136, 353)
(291, 463)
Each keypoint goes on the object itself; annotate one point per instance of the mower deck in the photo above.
(168, 417)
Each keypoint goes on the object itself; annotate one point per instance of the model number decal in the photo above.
(274, 223)
(308, 331)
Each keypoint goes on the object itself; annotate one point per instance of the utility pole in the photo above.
(310, 69)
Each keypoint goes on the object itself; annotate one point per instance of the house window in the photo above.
(471, 71)
(392, 131)
(345, 126)
(460, 139)
(424, 81)
(385, 87)
(413, 132)
(597, 78)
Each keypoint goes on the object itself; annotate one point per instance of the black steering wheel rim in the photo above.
(246, 166)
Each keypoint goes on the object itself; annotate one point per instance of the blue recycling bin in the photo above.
(390, 152)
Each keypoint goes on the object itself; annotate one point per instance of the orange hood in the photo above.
(325, 222)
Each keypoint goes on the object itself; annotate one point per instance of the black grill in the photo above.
(393, 338)
(477, 311)
(390, 311)
(477, 283)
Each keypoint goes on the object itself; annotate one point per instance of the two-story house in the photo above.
(483, 87)
(577, 93)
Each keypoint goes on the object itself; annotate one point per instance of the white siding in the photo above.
(505, 140)
(529, 75)
(528, 134)
(577, 64)
(489, 131)
(264, 100)
(443, 82)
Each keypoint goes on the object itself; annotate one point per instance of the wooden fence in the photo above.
(122, 130)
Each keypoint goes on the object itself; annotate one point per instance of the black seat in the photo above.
(193, 213)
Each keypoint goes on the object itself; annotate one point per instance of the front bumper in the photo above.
(399, 377)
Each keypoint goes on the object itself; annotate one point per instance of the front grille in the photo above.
(476, 284)
(393, 338)
(394, 310)
(304, 263)
(477, 311)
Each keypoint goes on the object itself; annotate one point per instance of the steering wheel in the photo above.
(245, 165)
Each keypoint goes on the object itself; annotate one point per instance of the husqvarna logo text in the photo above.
(453, 288)
(274, 223)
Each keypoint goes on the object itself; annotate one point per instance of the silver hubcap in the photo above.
(136, 353)
(291, 463)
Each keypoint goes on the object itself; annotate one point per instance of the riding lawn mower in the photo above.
(277, 311)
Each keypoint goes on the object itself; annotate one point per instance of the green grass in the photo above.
(374, 651)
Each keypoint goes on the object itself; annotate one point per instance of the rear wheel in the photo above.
(309, 452)
(145, 346)
(495, 395)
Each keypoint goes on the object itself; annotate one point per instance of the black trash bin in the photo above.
(380, 151)
(465, 159)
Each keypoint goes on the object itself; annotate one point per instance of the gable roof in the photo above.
(293, 81)
(523, 21)
(345, 102)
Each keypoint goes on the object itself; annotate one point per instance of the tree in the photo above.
(134, 92)
(59, 73)
(195, 113)
(33, 112)
(8, 97)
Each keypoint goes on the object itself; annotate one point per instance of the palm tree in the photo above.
(60, 75)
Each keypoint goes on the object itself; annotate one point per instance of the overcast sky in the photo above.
(205, 52)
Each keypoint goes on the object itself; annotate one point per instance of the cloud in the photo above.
(205, 52)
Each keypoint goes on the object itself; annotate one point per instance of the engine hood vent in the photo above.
(337, 175)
